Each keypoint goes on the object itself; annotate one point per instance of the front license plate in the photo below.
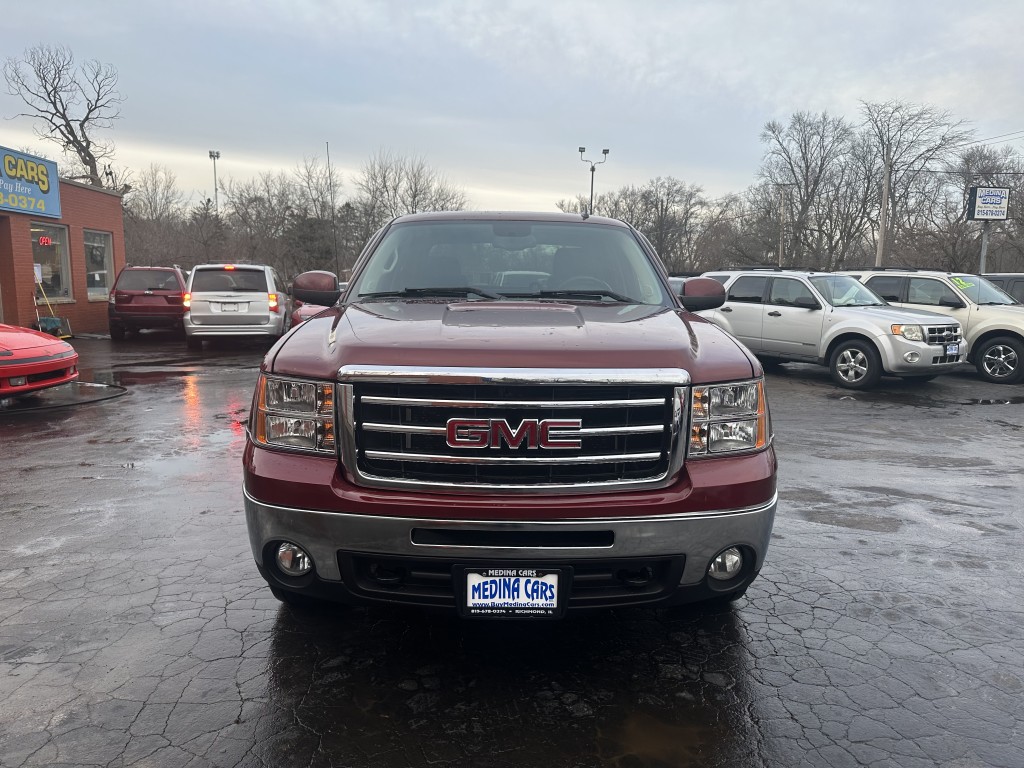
(513, 592)
(952, 349)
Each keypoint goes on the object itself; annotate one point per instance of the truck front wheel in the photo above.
(1000, 360)
(855, 364)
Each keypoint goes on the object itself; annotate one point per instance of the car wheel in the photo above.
(855, 365)
(117, 332)
(193, 342)
(294, 600)
(1001, 360)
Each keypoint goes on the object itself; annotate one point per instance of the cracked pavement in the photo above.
(886, 628)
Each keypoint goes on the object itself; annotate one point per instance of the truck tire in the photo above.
(1001, 360)
(855, 364)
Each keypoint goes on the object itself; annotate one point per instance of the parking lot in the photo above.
(887, 627)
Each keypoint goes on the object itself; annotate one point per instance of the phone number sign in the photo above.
(988, 204)
(28, 184)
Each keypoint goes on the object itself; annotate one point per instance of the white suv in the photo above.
(235, 300)
(833, 320)
(993, 321)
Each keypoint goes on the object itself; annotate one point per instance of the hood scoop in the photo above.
(523, 314)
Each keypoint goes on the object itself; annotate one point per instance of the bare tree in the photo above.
(392, 185)
(154, 218)
(910, 141)
(70, 104)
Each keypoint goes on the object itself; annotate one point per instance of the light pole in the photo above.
(593, 167)
(215, 156)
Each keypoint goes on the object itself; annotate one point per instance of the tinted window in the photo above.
(148, 280)
(785, 291)
(931, 293)
(886, 286)
(1016, 289)
(748, 289)
(246, 280)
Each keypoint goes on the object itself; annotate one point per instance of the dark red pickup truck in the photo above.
(509, 415)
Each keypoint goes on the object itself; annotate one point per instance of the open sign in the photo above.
(45, 240)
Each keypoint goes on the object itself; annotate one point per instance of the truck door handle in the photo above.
(727, 309)
(773, 313)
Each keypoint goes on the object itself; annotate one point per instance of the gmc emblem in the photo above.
(494, 433)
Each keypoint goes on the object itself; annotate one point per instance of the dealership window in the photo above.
(52, 264)
(99, 264)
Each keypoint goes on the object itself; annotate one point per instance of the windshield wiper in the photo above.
(577, 294)
(460, 290)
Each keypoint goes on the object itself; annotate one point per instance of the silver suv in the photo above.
(993, 321)
(235, 300)
(833, 320)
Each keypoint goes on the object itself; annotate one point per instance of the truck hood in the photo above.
(507, 334)
(902, 315)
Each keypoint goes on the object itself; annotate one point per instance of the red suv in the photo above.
(146, 297)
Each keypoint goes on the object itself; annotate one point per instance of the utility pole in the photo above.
(782, 224)
(593, 167)
(883, 214)
(215, 156)
(984, 246)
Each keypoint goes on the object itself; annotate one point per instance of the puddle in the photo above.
(996, 401)
(63, 396)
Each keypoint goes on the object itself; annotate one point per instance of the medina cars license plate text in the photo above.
(513, 592)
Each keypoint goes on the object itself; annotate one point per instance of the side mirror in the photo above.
(700, 293)
(317, 287)
(806, 302)
(945, 301)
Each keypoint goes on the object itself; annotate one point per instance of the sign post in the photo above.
(987, 204)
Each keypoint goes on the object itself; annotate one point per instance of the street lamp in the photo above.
(215, 156)
(593, 167)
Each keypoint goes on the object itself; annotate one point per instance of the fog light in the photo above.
(18, 381)
(293, 560)
(726, 565)
(912, 357)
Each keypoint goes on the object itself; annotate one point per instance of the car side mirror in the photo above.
(945, 301)
(317, 287)
(806, 302)
(701, 293)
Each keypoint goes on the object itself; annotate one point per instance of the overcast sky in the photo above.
(498, 94)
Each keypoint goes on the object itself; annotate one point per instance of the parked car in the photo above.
(833, 320)
(439, 438)
(993, 321)
(301, 311)
(1010, 282)
(235, 300)
(32, 360)
(146, 297)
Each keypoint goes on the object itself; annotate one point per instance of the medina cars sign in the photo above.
(988, 204)
(28, 184)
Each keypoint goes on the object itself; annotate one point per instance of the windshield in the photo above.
(981, 291)
(846, 291)
(509, 260)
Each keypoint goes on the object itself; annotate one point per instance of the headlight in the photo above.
(910, 332)
(727, 418)
(291, 413)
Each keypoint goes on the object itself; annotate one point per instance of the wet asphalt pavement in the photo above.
(887, 628)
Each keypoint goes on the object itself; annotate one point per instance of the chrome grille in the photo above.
(395, 428)
(942, 334)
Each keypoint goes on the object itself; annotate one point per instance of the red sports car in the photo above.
(32, 360)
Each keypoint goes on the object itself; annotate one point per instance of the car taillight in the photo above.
(272, 299)
(110, 298)
(186, 300)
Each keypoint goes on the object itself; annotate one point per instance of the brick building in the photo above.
(66, 261)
